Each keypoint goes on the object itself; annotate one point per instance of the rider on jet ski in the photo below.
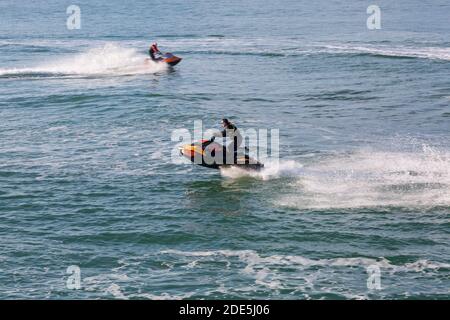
(232, 132)
(154, 52)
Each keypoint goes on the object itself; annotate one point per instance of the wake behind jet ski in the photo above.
(211, 154)
(159, 57)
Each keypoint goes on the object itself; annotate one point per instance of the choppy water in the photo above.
(86, 176)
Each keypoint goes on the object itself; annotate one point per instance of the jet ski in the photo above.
(171, 59)
(168, 58)
(210, 154)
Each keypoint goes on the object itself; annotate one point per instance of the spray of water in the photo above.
(272, 169)
(109, 59)
(374, 179)
(366, 178)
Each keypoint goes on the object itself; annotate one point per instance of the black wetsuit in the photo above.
(233, 131)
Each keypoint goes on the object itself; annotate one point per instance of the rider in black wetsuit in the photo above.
(232, 132)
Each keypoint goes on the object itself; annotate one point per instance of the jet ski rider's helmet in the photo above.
(225, 122)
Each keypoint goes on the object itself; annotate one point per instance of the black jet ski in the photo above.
(212, 155)
(168, 58)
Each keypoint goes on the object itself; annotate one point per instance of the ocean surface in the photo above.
(87, 178)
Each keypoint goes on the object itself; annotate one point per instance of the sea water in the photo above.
(357, 205)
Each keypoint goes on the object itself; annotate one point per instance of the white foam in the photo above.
(366, 178)
(371, 178)
(270, 271)
(116, 291)
(435, 53)
(110, 59)
(290, 47)
(272, 169)
(252, 259)
(163, 296)
(106, 283)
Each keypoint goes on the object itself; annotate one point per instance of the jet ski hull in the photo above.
(198, 153)
(171, 60)
(168, 58)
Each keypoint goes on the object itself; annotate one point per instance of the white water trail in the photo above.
(370, 178)
(109, 59)
(361, 179)
(432, 53)
(272, 169)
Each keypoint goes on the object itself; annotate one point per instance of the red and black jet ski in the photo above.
(171, 59)
(168, 58)
(213, 155)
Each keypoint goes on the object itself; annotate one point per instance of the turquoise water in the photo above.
(87, 178)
